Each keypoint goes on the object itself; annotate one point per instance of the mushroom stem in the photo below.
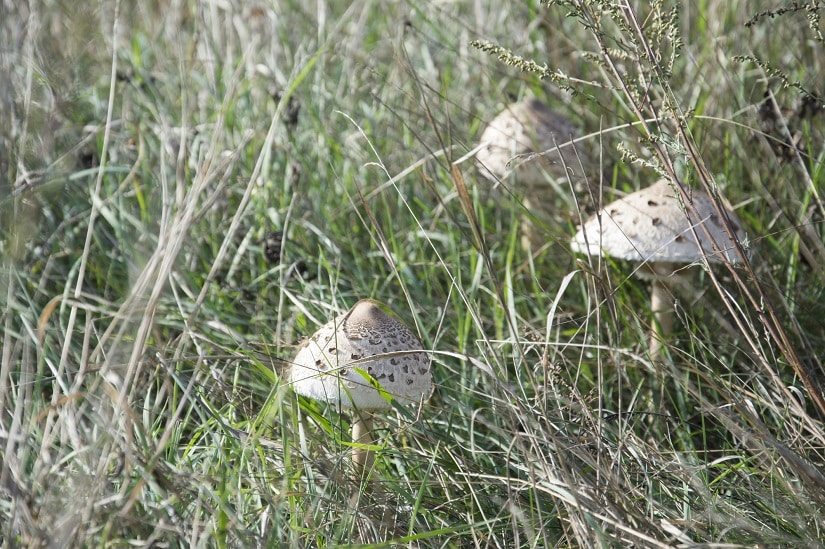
(529, 240)
(661, 305)
(362, 458)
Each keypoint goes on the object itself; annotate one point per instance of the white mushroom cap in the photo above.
(650, 225)
(371, 340)
(523, 139)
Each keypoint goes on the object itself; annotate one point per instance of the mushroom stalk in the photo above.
(362, 458)
(661, 305)
(529, 237)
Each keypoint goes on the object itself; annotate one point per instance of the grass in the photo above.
(151, 153)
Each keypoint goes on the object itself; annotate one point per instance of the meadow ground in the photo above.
(189, 188)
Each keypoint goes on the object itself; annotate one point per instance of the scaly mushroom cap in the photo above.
(365, 338)
(651, 226)
(523, 139)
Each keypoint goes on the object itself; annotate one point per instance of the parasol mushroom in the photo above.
(363, 360)
(530, 144)
(650, 227)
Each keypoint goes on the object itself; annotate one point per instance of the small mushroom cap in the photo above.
(366, 338)
(515, 138)
(650, 225)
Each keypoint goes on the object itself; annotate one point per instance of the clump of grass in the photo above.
(149, 307)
